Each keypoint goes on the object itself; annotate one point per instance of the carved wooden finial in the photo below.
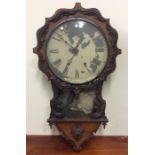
(77, 5)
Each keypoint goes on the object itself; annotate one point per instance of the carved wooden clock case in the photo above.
(77, 108)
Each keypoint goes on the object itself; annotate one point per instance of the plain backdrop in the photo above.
(115, 89)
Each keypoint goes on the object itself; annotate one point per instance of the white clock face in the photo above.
(77, 51)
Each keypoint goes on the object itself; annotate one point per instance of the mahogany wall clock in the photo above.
(77, 49)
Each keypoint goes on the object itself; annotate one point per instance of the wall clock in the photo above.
(77, 50)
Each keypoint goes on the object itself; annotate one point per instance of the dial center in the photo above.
(74, 51)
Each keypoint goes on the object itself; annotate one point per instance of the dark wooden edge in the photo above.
(45, 144)
(31, 138)
(57, 141)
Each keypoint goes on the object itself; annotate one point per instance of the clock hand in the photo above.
(68, 64)
(72, 50)
(61, 37)
(79, 43)
(85, 44)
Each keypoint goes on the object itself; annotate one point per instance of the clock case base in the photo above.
(77, 133)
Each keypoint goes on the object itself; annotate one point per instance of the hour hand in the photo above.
(85, 44)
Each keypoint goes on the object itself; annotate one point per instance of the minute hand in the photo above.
(68, 64)
(60, 37)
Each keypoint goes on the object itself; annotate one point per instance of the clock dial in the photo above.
(77, 51)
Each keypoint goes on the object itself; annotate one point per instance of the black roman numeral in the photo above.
(98, 41)
(99, 49)
(54, 51)
(76, 74)
(85, 65)
(65, 71)
(56, 39)
(57, 62)
(82, 72)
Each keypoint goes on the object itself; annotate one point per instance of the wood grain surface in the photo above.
(56, 145)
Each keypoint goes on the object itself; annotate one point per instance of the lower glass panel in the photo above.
(81, 106)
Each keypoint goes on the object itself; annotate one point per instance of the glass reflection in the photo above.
(79, 24)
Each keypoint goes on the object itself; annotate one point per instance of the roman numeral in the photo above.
(76, 74)
(98, 41)
(56, 39)
(99, 49)
(65, 71)
(57, 62)
(82, 72)
(85, 65)
(54, 51)
(59, 35)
